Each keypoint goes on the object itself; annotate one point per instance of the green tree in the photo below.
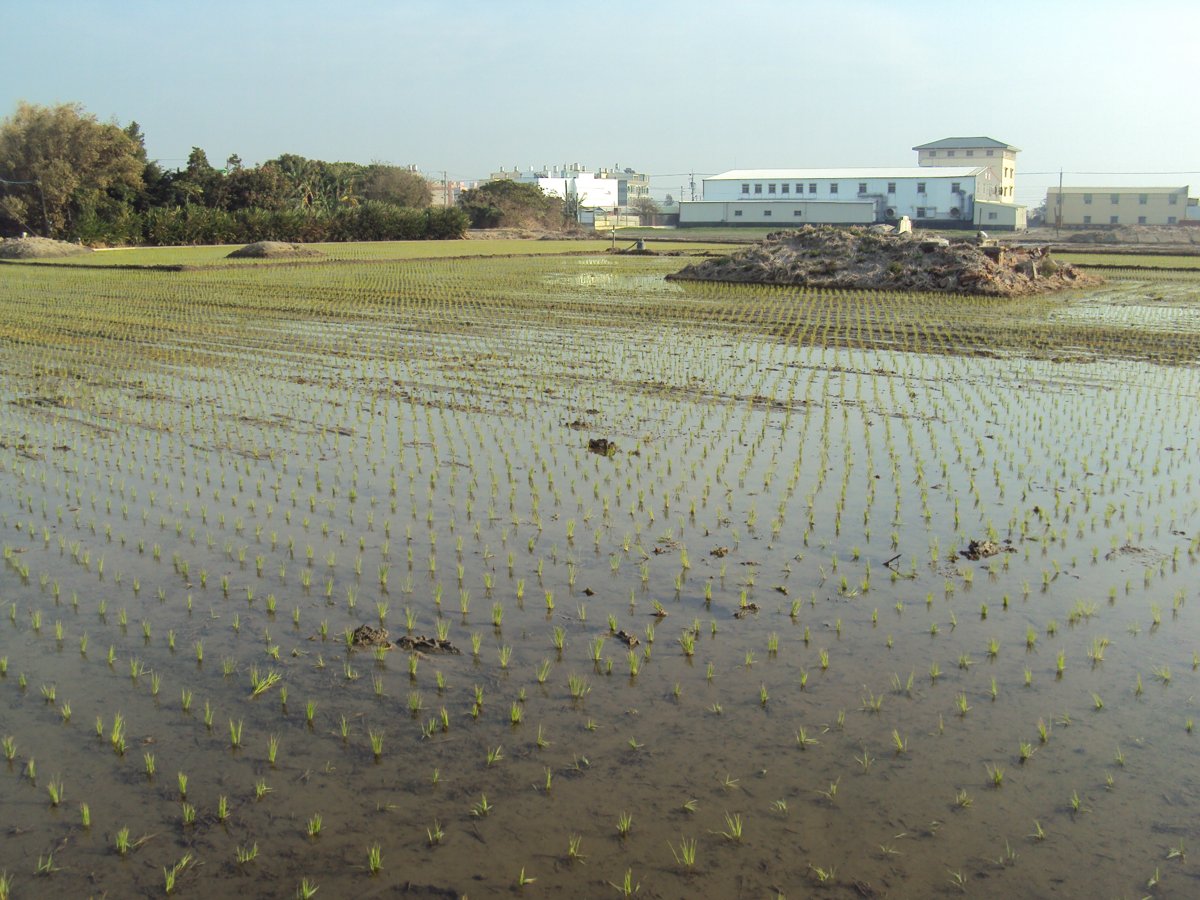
(393, 184)
(60, 166)
(646, 209)
(511, 204)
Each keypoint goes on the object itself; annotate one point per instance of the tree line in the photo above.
(66, 175)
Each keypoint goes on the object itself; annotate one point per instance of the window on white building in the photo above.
(1114, 198)
(737, 212)
(758, 189)
(796, 212)
(1087, 220)
(955, 187)
(972, 153)
(991, 216)
(833, 187)
(1143, 199)
(745, 187)
(891, 187)
(799, 189)
(770, 188)
(862, 187)
(920, 212)
(932, 154)
(1141, 220)
(920, 187)
(766, 213)
(1087, 198)
(1171, 220)
(1114, 220)
(1173, 199)
(949, 152)
(783, 188)
(812, 187)
(990, 153)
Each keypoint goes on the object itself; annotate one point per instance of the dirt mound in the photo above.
(862, 259)
(273, 250)
(38, 248)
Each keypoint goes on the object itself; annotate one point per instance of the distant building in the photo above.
(606, 189)
(445, 192)
(998, 157)
(791, 197)
(1081, 206)
(959, 182)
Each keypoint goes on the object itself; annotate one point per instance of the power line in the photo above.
(1069, 172)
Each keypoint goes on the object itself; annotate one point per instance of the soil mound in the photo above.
(864, 259)
(273, 250)
(38, 248)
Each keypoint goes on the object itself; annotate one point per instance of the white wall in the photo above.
(936, 202)
(593, 191)
(777, 213)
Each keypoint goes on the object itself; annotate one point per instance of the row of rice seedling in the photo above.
(750, 622)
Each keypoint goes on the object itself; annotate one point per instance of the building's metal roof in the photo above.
(967, 143)
(1110, 189)
(922, 172)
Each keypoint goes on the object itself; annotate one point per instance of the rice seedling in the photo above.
(628, 886)
(734, 826)
(574, 843)
(55, 789)
(624, 824)
(435, 834)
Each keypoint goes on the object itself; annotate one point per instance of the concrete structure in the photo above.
(998, 157)
(995, 216)
(1083, 206)
(942, 196)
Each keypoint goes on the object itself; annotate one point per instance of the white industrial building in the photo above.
(604, 189)
(789, 197)
(932, 194)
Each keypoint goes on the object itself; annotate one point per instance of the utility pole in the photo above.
(692, 184)
(445, 189)
(1058, 214)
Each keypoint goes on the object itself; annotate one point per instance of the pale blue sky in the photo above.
(666, 87)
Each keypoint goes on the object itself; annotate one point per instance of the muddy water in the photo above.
(427, 426)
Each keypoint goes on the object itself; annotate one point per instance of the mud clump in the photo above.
(859, 258)
(977, 550)
(273, 250)
(39, 248)
(602, 446)
(370, 636)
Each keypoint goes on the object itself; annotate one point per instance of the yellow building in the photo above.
(1079, 206)
(1000, 158)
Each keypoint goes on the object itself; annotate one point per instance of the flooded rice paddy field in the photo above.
(742, 654)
